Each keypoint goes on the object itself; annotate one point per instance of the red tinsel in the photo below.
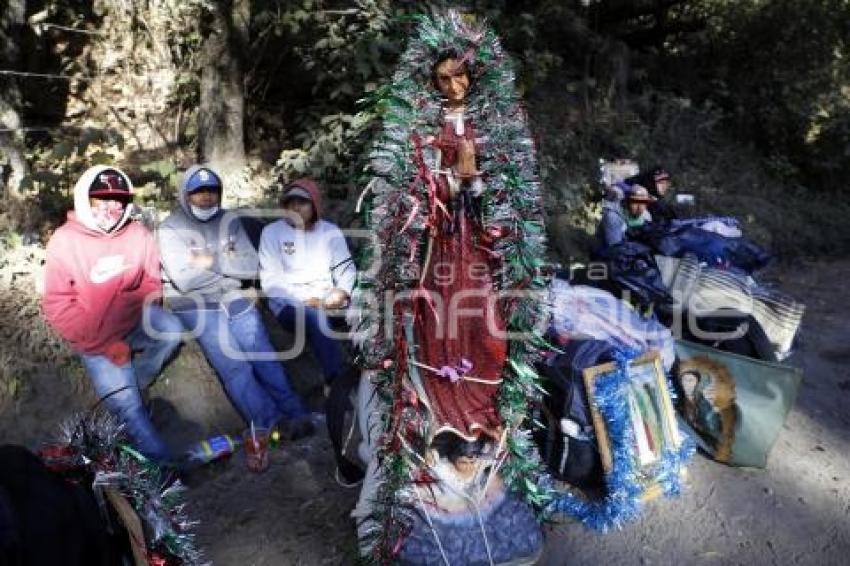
(59, 457)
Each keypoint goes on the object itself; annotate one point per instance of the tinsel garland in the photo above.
(624, 486)
(95, 446)
(511, 209)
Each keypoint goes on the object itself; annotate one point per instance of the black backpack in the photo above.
(568, 442)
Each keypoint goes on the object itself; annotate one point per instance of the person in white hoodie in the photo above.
(307, 273)
(305, 266)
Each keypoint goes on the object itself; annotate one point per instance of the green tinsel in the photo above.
(409, 107)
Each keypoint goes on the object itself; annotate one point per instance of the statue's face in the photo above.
(452, 80)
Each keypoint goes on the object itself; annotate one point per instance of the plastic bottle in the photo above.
(213, 448)
(274, 438)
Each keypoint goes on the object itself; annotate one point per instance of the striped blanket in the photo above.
(704, 291)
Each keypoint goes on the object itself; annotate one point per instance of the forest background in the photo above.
(745, 102)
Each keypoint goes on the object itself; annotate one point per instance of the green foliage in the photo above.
(166, 169)
(340, 54)
(772, 79)
(55, 165)
(780, 72)
(344, 54)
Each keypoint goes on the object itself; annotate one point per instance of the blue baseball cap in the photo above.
(203, 178)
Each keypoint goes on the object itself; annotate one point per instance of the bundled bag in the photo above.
(737, 405)
(582, 312)
(568, 443)
(710, 247)
(732, 332)
(632, 268)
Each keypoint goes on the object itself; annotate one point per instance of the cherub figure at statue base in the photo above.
(464, 514)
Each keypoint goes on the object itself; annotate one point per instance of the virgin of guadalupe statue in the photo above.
(458, 325)
(453, 305)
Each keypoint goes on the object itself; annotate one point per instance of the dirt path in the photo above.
(797, 511)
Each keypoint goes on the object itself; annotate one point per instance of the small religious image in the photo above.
(736, 405)
(649, 413)
(646, 406)
(709, 403)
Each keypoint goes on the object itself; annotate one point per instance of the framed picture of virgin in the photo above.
(639, 410)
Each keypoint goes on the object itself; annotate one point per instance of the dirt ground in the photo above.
(797, 511)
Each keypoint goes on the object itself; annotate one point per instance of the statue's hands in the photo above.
(466, 167)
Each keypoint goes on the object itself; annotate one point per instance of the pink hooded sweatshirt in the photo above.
(96, 282)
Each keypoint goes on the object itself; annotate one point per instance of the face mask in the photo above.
(204, 214)
(107, 214)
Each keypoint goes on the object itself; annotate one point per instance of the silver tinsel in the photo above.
(100, 445)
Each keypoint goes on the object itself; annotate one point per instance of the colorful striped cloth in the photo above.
(705, 290)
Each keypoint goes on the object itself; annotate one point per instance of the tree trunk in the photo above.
(612, 71)
(222, 105)
(13, 165)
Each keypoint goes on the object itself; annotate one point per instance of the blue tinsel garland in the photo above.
(622, 500)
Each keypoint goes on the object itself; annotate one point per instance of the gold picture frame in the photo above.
(650, 410)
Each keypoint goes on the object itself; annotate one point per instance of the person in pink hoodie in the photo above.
(102, 288)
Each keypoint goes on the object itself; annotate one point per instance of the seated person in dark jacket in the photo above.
(657, 183)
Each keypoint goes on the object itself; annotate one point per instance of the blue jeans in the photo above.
(316, 323)
(259, 389)
(120, 386)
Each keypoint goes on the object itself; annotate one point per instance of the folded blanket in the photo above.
(705, 290)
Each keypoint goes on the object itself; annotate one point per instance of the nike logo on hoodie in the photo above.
(107, 267)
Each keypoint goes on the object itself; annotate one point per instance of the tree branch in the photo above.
(657, 35)
(606, 13)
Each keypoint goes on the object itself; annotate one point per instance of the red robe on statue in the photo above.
(461, 322)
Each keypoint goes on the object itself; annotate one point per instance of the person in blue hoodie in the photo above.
(206, 256)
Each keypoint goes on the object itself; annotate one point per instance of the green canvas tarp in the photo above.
(737, 405)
